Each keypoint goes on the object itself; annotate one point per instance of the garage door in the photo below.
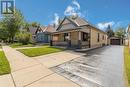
(115, 41)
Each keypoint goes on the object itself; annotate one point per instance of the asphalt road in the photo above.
(102, 67)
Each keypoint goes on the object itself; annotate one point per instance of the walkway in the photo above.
(31, 72)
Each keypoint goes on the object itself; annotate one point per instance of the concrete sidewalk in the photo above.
(31, 72)
(17, 60)
(0, 49)
(55, 59)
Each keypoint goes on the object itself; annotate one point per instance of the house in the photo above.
(128, 36)
(75, 32)
(43, 34)
(32, 30)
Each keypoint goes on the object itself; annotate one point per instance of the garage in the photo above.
(115, 42)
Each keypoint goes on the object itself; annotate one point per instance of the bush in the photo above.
(24, 38)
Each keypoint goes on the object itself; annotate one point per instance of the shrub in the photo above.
(24, 37)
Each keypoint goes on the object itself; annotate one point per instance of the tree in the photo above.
(3, 34)
(120, 32)
(35, 24)
(109, 31)
(26, 26)
(12, 24)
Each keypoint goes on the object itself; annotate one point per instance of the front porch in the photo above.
(71, 39)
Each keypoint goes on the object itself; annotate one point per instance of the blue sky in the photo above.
(98, 12)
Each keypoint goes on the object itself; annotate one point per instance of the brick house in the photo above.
(75, 32)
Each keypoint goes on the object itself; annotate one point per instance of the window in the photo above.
(103, 37)
(98, 39)
(65, 36)
(85, 36)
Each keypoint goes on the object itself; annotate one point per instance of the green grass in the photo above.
(4, 64)
(127, 62)
(32, 52)
(17, 45)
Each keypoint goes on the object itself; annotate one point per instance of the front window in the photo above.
(84, 36)
(65, 36)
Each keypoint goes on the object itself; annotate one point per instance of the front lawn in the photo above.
(17, 45)
(32, 52)
(127, 62)
(4, 64)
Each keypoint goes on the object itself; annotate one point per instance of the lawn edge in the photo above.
(125, 74)
(9, 65)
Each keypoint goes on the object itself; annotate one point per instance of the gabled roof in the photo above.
(50, 29)
(47, 29)
(32, 30)
(77, 22)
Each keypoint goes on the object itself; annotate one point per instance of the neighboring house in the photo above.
(78, 33)
(43, 34)
(115, 41)
(128, 36)
(32, 30)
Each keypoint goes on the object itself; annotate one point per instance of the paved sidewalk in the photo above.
(6, 81)
(55, 59)
(0, 49)
(31, 72)
(17, 60)
(28, 47)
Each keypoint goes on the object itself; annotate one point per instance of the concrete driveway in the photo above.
(102, 67)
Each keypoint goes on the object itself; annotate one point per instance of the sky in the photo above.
(100, 13)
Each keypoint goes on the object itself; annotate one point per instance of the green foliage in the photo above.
(120, 33)
(109, 31)
(35, 24)
(12, 24)
(24, 37)
(127, 62)
(3, 34)
(4, 64)
(26, 26)
(32, 52)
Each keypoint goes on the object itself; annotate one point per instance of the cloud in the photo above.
(73, 9)
(76, 3)
(105, 25)
(56, 19)
(121, 24)
(113, 24)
